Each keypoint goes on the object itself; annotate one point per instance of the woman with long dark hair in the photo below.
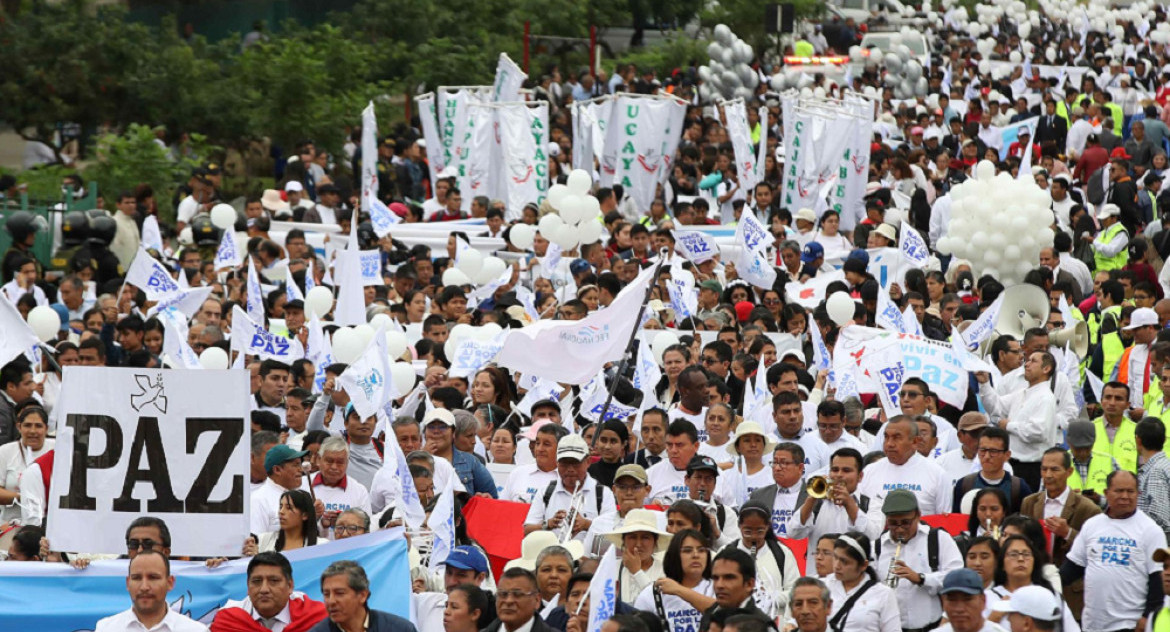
(685, 591)
(298, 524)
(1021, 563)
(861, 602)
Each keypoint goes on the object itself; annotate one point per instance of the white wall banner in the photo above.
(369, 175)
(589, 124)
(639, 145)
(482, 164)
(173, 444)
(523, 131)
(436, 161)
(509, 79)
(741, 142)
(456, 126)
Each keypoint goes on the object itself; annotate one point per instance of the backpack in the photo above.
(967, 483)
(777, 552)
(931, 548)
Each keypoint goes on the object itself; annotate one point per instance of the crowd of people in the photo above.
(744, 492)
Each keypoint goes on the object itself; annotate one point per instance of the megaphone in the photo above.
(1025, 306)
(1075, 336)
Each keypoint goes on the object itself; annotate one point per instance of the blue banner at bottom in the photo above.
(58, 598)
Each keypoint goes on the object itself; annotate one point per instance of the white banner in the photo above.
(850, 199)
(880, 361)
(810, 293)
(752, 263)
(150, 276)
(367, 380)
(455, 123)
(171, 444)
(696, 245)
(523, 131)
(228, 253)
(369, 175)
(471, 355)
(639, 144)
(741, 142)
(249, 338)
(589, 124)
(482, 165)
(509, 79)
(435, 158)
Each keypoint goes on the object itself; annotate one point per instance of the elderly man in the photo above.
(336, 490)
(1029, 415)
(810, 605)
(272, 602)
(346, 591)
(550, 509)
(905, 468)
(917, 556)
(517, 601)
(963, 602)
(148, 582)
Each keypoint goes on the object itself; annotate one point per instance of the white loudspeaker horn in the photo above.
(1076, 336)
(1024, 306)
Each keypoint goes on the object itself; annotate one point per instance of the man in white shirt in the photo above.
(283, 465)
(668, 478)
(529, 479)
(272, 600)
(919, 577)
(904, 468)
(841, 511)
(961, 462)
(1029, 415)
(1031, 608)
(551, 507)
(1114, 552)
(332, 486)
(148, 582)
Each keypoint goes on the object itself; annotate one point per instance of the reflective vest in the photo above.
(1112, 348)
(1062, 109)
(1100, 467)
(1156, 407)
(1162, 620)
(1123, 370)
(1124, 446)
(1117, 261)
(1116, 115)
(1097, 318)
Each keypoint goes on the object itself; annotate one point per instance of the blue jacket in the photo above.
(379, 622)
(474, 476)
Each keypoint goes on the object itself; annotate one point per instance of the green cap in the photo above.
(713, 285)
(900, 501)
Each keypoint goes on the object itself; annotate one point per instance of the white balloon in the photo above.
(470, 261)
(455, 276)
(223, 216)
(213, 359)
(589, 232)
(840, 307)
(186, 237)
(45, 322)
(556, 193)
(347, 345)
(522, 236)
(715, 50)
(660, 344)
(319, 300)
(492, 268)
(549, 224)
(570, 208)
(580, 182)
(382, 320)
(396, 344)
(592, 208)
(365, 333)
(403, 377)
(566, 237)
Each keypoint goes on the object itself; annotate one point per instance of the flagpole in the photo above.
(629, 345)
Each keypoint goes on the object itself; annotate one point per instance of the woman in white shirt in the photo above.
(836, 246)
(16, 456)
(686, 590)
(719, 423)
(298, 526)
(1021, 564)
(860, 601)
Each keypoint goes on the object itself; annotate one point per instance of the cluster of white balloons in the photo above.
(576, 221)
(462, 332)
(904, 72)
(729, 74)
(473, 268)
(350, 342)
(999, 224)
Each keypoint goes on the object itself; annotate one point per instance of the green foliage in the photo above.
(678, 51)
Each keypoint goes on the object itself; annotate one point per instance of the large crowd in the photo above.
(739, 490)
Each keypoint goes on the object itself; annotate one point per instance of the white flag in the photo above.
(684, 298)
(888, 316)
(228, 254)
(310, 280)
(442, 524)
(148, 275)
(695, 245)
(984, 325)
(151, 236)
(367, 379)
(762, 145)
(188, 301)
(822, 358)
(255, 294)
(426, 113)
(251, 338)
(969, 360)
(646, 374)
(382, 218)
(175, 345)
(413, 512)
(509, 79)
(603, 590)
(639, 145)
(811, 293)
(752, 263)
(369, 175)
(351, 297)
(472, 354)
(16, 336)
(913, 247)
(741, 142)
(291, 290)
(484, 163)
(589, 124)
(320, 352)
(910, 322)
(573, 352)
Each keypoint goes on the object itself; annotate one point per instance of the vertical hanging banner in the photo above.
(589, 123)
(788, 129)
(509, 79)
(435, 160)
(482, 167)
(637, 142)
(524, 139)
(369, 173)
(735, 114)
(149, 441)
(850, 201)
(456, 125)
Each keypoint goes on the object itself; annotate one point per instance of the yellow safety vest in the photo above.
(1117, 261)
(1100, 467)
(1112, 348)
(1062, 111)
(1124, 446)
(1096, 318)
(1116, 115)
(1162, 620)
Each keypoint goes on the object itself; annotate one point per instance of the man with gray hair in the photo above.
(346, 592)
(333, 487)
(810, 603)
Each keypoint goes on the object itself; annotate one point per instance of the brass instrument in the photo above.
(571, 515)
(994, 532)
(818, 487)
(891, 578)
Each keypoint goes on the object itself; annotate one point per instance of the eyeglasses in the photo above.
(783, 463)
(352, 529)
(754, 533)
(909, 394)
(1019, 555)
(513, 594)
(145, 545)
(897, 524)
(991, 451)
(691, 550)
(831, 426)
(710, 360)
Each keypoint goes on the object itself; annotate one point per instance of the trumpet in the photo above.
(891, 578)
(571, 515)
(820, 487)
(994, 532)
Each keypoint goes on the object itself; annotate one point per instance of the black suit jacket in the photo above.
(1055, 131)
(538, 625)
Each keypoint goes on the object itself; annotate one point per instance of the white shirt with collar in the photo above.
(265, 506)
(278, 622)
(562, 499)
(1066, 403)
(919, 605)
(1079, 271)
(875, 610)
(1031, 415)
(829, 518)
(1053, 507)
(127, 621)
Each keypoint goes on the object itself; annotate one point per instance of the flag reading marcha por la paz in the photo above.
(173, 444)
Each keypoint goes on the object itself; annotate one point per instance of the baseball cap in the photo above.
(1161, 554)
(859, 255)
(975, 421)
(806, 214)
(293, 185)
(579, 266)
(634, 471)
(711, 284)
(468, 558)
(1081, 434)
(1032, 601)
(812, 251)
(399, 209)
(1142, 317)
(700, 462)
(916, 131)
(901, 501)
(296, 303)
(439, 414)
(281, 453)
(1109, 210)
(572, 447)
(962, 580)
(1119, 152)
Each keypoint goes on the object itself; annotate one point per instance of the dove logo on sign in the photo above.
(149, 394)
(370, 382)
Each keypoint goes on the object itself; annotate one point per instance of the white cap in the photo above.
(1109, 210)
(439, 414)
(572, 446)
(1143, 317)
(293, 185)
(806, 214)
(1031, 601)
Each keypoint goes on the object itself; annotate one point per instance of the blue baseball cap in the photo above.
(859, 254)
(962, 580)
(579, 266)
(812, 252)
(468, 558)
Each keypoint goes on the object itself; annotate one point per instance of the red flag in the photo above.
(498, 526)
(799, 549)
(952, 523)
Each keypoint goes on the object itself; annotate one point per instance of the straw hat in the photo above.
(640, 520)
(538, 541)
(746, 428)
